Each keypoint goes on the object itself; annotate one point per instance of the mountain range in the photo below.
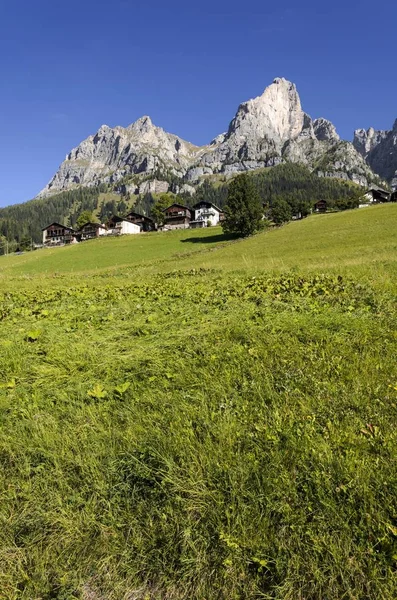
(266, 131)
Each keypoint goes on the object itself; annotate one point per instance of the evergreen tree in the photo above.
(280, 211)
(243, 210)
(162, 203)
(84, 217)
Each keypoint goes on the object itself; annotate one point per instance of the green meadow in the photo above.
(189, 416)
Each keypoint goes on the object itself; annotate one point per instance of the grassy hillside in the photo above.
(294, 183)
(352, 238)
(186, 417)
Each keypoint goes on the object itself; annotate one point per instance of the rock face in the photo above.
(365, 141)
(111, 154)
(272, 128)
(325, 131)
(265, 131)
(379, 149)
(344, 162)
(153, 187)
(257, 134)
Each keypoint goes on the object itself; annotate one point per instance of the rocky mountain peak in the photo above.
(265, 131)
(324, 130)
(379, 148)
(143, 124)
(103, 130)
(366, 140)
(276, 114)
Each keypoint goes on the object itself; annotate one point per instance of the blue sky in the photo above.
(67, 68)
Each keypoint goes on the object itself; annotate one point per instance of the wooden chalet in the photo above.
(89, 231)
(177, 216)
(122, 226)
(321, 206)
(57, 234)
(376, 194)
(145, 223)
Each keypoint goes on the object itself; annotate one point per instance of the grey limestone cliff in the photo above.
(379, 149)
(265, 131)
(113, 153)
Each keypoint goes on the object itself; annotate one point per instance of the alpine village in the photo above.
(176, 216)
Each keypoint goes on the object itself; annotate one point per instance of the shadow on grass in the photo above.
(212, 239)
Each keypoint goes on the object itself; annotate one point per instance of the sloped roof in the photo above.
(176, 204)
(58, 225)
(209, 203)
(138, 215)
(118, 219)
(377, 188)
(92, 224)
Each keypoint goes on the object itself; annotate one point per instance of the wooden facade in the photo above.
(376, 195)
(145, 223)
(177, 216)
(321, 206)
(58, 234)
(90, 231)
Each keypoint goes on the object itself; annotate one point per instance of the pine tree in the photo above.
(243, 210)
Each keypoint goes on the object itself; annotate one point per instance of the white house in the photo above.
(122, 226)
(204, 213)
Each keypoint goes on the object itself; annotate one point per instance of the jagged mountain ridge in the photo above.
(265, 131)
(113, 153)
(379, 149)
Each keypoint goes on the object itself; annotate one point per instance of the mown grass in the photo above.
(207, 426)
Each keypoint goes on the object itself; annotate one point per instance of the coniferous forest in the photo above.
(291, 183)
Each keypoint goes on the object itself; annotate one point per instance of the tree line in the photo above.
(285, 190)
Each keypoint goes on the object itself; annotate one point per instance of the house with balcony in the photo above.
(177, 216)
(121, 226)
(90, 231)
(206, 213)
(145, 223)
(376, 195)
(56, 234)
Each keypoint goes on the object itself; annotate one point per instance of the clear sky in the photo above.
(68, 67)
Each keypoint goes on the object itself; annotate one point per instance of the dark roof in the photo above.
(132, 213)
(209, 203)
(176, 204)
(93, 225)
(376, 188)
(58, 225)
(118, 219)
